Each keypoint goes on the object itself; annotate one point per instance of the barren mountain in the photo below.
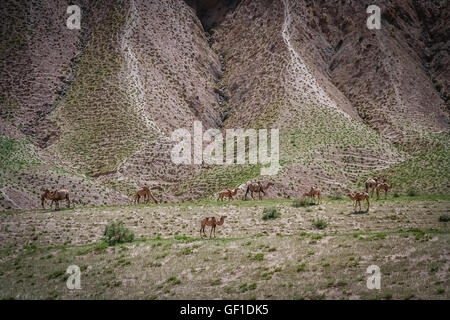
(93, 110)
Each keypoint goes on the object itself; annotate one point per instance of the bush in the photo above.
(301, 267)
(396, 195)
(302, 203)
(444, 218)
(320, 224)
(271, 213)
(412, 193)
(116, 232)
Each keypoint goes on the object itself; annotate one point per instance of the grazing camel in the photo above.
(227, 193)
(383, 186)
(372, 185)
(212, 222)
(312, 193)
(146, 194)
(257, 187)
(55, 196)
(357, 197)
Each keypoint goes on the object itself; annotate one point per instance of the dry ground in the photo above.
(285, 258)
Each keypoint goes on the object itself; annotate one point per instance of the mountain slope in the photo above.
(103, 101)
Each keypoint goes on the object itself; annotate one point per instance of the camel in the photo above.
(257, 187)
(55, 196)
(383, 186)
(227, 193)
(212, 222)
(312, 193)
(357, 197)
(372, 185)
(145, 193)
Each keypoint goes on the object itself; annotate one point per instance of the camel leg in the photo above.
(68, 202)
(153, 198)
(368, 204)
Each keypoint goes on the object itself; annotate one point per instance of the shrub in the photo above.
(320, 224)
(271, 213)
(116, 232)
(301, 267)
(396, 195)
(258, 257)
(412, 193)
(444, 218)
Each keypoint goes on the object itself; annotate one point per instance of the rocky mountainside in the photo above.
(92, 110)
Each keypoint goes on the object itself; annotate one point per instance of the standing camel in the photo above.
(257, 187)
(372, 185)
(212, 222)
(146, 194)
(55, 196)
(383, 186)
(227, 193)
(357, 197)
(312, 193)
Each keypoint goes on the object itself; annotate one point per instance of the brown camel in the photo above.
(146, 194)
(55, 196)
(227, 193)
(257, 187)
(383, 186)
(372, 185)
(357, 197)
(212, 222)
(312, 193)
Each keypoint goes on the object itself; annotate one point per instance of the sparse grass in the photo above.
(271, 213)
(297, 203)
(250, 256)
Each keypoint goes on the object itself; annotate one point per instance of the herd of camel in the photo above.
(372, 184)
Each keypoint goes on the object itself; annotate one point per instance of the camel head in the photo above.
(46, 192)
(221, 221)
(268, 185)
(43, 196)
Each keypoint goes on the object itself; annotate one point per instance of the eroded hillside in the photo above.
(100, 103)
